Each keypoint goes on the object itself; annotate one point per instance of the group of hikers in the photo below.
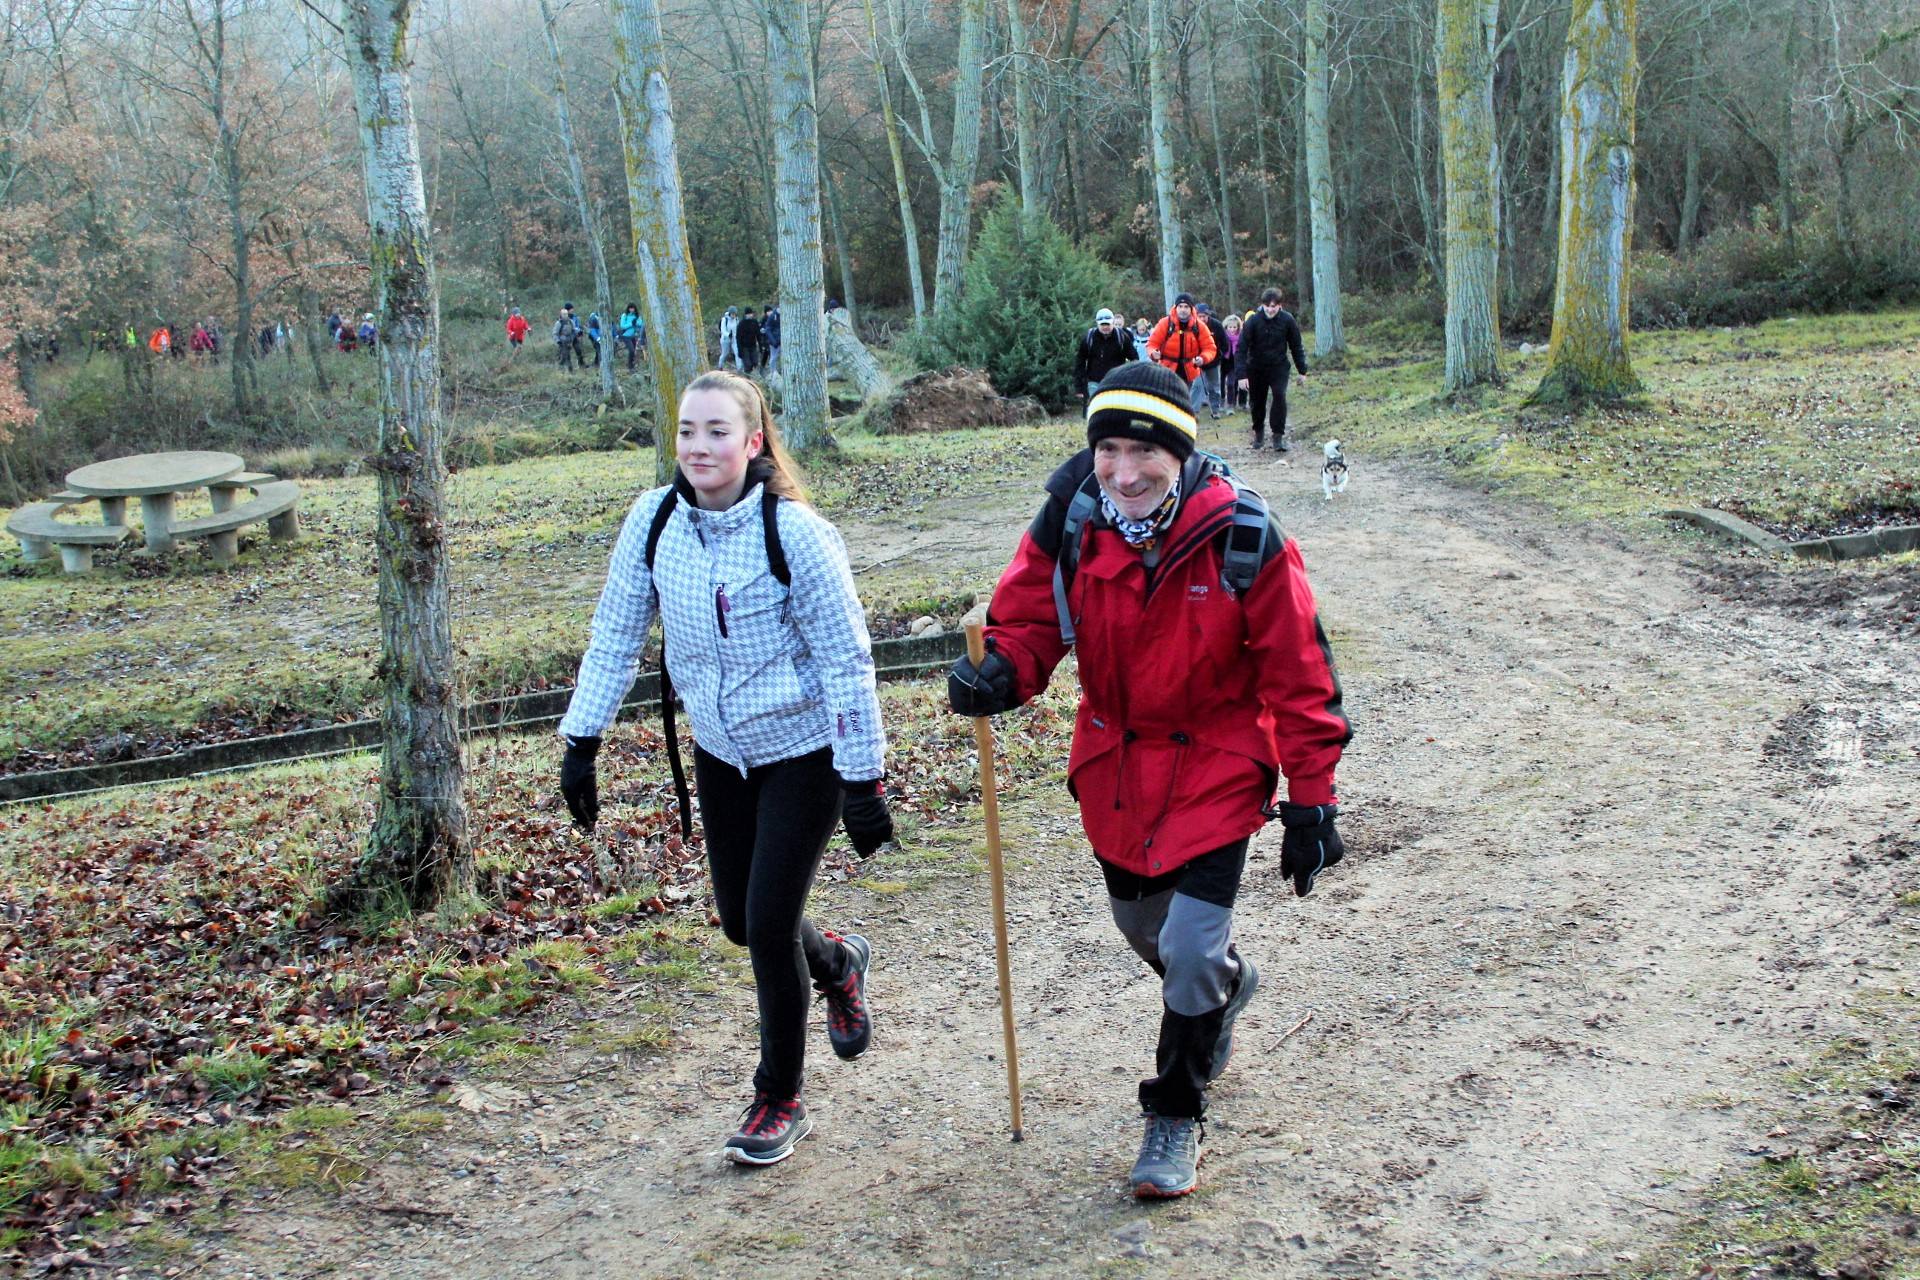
(1206, 684)
(569, 332)
(749, 342)
(206, 340)
(1219, 360)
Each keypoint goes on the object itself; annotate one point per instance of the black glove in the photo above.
(986, 690)
(864, 812)
(1310, 844)
(578, 783)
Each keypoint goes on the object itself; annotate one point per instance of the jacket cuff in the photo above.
(1314, 790)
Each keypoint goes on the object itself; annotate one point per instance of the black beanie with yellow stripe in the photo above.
(1146, 401)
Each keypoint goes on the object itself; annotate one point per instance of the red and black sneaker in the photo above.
(849, 1025)
(768, 1129)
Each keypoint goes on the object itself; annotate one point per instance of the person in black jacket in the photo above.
(748, 339)
(1102, 350)
(1266, 342)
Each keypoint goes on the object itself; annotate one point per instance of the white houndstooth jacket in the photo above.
(766, 673)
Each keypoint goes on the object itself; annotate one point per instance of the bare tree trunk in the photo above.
(669, 292)
(842, 254)
(1022, 58)
(1329, 334)
(210, 41)
(589, 225)
(956, 184)
(1302, 204)
(1160, 130)
(1259, 86)
(1463, 60)
(1227, 248)
(1690, 186)
(909, 227)
(418, 844)
(852, 357)
(1587, 355)
(796, 155)
(1783, 151)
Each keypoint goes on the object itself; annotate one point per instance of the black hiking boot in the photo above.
(768, 1129)
(1243, 989)
(1259, 441)
(849, 1024)
(1280, 444)
(1169, 1163)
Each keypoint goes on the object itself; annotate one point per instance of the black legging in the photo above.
(1259, 383)
(765, 834)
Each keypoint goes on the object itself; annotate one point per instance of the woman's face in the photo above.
(1135, 474)
(715, 446)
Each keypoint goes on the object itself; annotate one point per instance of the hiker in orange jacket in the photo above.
(1183, 343)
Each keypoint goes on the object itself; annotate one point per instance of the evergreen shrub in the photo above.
(1029, 294)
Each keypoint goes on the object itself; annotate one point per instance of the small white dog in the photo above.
(1333, 476)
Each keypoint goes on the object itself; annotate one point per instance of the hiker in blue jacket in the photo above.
(767, 643)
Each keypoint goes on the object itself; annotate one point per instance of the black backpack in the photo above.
(1250, 538)
(776, 564)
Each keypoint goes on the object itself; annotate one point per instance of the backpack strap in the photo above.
(776, 554)
(1080, 509)
(1250, 540)
(680, 793)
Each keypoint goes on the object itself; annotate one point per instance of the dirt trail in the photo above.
(1599, 898)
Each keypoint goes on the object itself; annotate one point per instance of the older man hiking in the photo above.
(1102, 349)
(1204, 674)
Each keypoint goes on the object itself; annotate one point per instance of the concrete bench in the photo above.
(276, 502)
(35, 526)
(223, 493)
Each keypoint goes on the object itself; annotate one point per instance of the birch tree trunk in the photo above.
(1022, 58)
(796, 204)
(1463, 45)
(1160, 129)
(589, 225)
(669, 293)
(909, 227)
(1587, 355)
(1228, 250)
(842, 252)
(963, 156)
(418, 844)
(1329, 334)
(1302, 205)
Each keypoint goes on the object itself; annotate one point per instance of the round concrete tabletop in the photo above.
(153, 473)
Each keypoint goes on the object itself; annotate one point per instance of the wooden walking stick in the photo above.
(974, 623)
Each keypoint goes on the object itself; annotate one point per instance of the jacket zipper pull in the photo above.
(721, 607)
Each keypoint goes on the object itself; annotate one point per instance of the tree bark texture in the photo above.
(1463, 61)
(1160, 130)
(796, 205)
(418, 844)
(1587, 355)
(963, 156)
(1228, 250)
(589, 225)
(850, 354)
(669, 292)
(1022, 68)
(1329, 333)
(909, 226)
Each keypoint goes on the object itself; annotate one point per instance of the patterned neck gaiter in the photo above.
(1141, 533)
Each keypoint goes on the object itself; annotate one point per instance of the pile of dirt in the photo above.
(947, 399)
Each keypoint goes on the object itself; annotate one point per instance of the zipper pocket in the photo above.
(721, 607)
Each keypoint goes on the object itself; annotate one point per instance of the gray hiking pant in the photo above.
(1181, 924)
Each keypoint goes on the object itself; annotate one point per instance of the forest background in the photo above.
(165, 161)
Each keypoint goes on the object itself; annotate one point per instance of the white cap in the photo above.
(1103, 316)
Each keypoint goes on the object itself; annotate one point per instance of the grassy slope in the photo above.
(1792, 421)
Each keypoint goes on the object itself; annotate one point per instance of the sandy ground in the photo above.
(1623, 851)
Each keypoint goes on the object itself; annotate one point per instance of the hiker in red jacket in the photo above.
(516, 329)
(1204, 675)
(1183, 343)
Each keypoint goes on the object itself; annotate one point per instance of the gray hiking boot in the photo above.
(1243, 989)
(1169, 1163)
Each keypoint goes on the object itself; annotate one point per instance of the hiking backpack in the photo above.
(776, 564)
(1250, 538)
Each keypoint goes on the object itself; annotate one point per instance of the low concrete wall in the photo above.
(1887, 541)
(906, 656)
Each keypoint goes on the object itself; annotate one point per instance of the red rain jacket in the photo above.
(1191, 701)
(1183, 348)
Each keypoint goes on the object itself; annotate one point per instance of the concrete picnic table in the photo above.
(154, 478)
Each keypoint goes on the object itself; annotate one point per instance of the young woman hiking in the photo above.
(778, 682)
